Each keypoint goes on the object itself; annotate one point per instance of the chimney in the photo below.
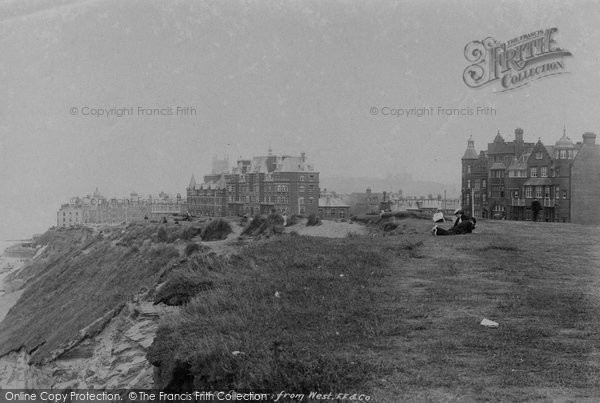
(518, 134)
(589, 138)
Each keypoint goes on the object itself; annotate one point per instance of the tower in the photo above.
(468, 164)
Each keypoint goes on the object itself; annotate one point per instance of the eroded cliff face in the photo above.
(111, 353)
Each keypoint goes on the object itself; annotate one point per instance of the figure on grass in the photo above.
(462, 225)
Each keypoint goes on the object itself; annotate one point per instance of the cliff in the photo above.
(86, 314)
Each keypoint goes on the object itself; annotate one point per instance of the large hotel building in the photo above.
(510, 176)
(286, 184)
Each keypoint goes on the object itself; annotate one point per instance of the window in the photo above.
(301, 178)
(311, 177)
(544, 172)
(301, 188)
(534, 172)
(564, 195)
(469, 184)
(570, 154)
(476, 183)
(547, 192)
(557, 193)
(516, 194)
(538, 156)
(528, 192)
(563, 154)
(483, 183)
(538, 191)
(468, 169)
(557, 172)
(311, 200)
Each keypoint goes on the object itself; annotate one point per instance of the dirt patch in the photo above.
(328, 229)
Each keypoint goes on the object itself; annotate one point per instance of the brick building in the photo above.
(331, 207)
(585, 182)
(97, 209)
(286, 184)
(507, 179)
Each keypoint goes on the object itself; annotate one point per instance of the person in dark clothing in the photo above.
(462, 217)
(463, 225)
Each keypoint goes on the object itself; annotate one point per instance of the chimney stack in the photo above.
(589, 138)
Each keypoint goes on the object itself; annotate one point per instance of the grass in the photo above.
(395, 317)
(398, 317)
(295, 308)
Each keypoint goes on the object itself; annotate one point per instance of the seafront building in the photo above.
(511, 179)
(285, 184)
(97, 209)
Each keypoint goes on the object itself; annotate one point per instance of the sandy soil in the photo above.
(329, 229)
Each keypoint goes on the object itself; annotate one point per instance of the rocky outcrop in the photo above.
(110, 353)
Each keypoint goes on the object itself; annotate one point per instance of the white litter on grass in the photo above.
(488, 323)
(277, 294)
(236, 353)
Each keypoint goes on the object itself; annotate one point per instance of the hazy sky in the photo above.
(299, 75)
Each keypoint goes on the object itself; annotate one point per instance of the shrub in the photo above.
(180, 287)
(162, 235)
(292, 220)
(191, 248)
(264, 226)
(275, 219)
(216, 230)
(189, 232)
(390, 226)
(313, 219)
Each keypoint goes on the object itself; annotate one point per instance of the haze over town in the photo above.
(298, 76)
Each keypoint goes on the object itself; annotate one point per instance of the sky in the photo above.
(299, 76)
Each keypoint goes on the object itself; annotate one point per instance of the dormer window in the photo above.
(538, 156)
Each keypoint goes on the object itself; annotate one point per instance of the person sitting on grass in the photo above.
(439, 216)
(463, 225)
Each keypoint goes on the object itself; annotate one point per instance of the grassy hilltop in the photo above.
(396, 317)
